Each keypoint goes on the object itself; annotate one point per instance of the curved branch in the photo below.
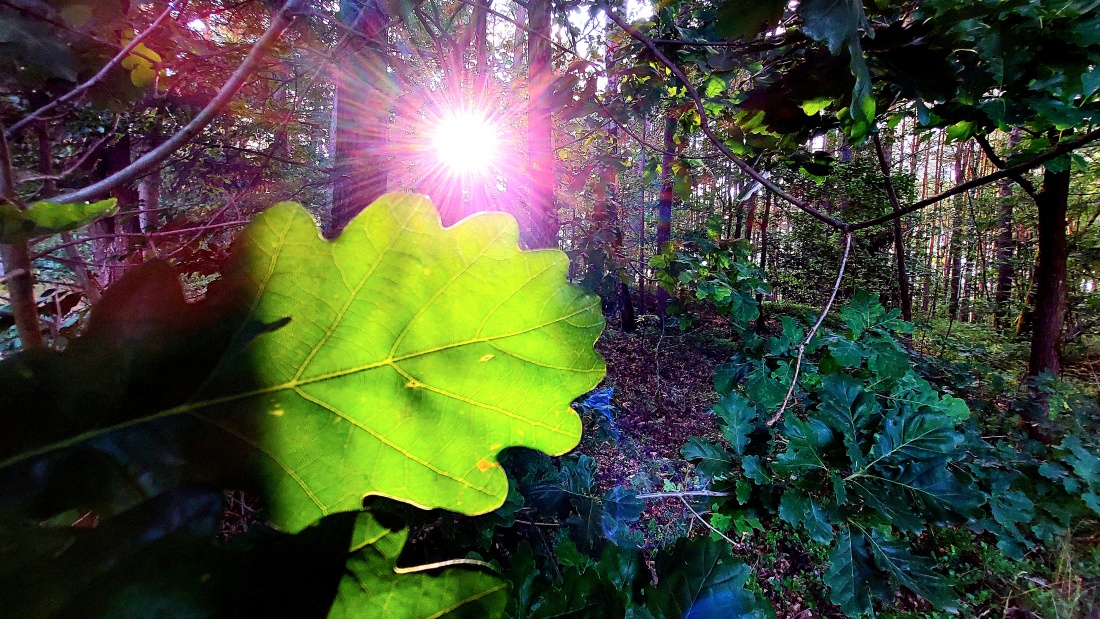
(704, 123)
(813, 330)
(1020, 179)
(154, 157)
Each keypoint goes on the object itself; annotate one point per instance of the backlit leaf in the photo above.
(372, 588)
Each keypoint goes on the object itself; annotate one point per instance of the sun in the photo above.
(466, 143)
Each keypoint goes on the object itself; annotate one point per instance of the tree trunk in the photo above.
(539, 77)
(905, 299)
(1005, 247)
(615, 214)
(641, 222)
(360, 119)
(112, 253)
(1050, 275)
(18, 271)
(956, 237)
(664, 206)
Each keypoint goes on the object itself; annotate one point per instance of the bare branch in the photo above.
(813, 330)
(1058, 150)
(154, 157)
(1019, 179)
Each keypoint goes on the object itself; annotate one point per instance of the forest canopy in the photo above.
(549, 308)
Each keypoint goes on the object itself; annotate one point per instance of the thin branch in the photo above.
(656, 149)
(680, 495)
(98, 77)
(813, 330)
(1058, 150)
(227, 224)
(79, 162)
(11, 275)
(1019, 179)
(705, 523)
(154, 157)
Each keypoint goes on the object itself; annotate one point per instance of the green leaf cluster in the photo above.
(866, 456)
(714, 272)
(694, 578)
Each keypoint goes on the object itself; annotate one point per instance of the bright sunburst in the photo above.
(466, 143)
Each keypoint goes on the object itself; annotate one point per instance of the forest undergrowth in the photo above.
(660, 392)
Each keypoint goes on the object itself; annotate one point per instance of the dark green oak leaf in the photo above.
(850, 573)
(373, 585)
(699, 579)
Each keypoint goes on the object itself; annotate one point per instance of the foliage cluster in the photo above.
(869, 458)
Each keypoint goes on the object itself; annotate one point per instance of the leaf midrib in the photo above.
(190, 407)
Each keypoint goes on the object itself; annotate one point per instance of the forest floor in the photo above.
(663, 394)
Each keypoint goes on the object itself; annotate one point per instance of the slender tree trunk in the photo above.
(539, 141)
(764, 231)
(664, 206)
(18, 275)
(641, 223)
(1050, 275)
(956, 237)
(1005, 246)
(614, 214)
(360, 118)
(905, 300)
(112, 253)
(750, 218)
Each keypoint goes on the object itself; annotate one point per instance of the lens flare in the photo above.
(466, 143)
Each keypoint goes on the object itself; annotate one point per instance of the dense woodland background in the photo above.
(710, 167)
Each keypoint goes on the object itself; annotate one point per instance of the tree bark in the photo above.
(664, 206)
(1005, 247)
(18, 275)
(905, 299)
(539, 141)
(111, 254)
(1050, 275)
(956, 238)
(360, 118)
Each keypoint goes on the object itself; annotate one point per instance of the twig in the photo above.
(79, 162)
(705, 523)
(667, 495)
(199, 229)
(95, 79)
(135, 170)
(813, 330)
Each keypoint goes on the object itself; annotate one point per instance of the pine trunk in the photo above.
(540, 75)
(1050, 275)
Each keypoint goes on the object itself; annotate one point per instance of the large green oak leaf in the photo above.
(413, 355)
(397, 360)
